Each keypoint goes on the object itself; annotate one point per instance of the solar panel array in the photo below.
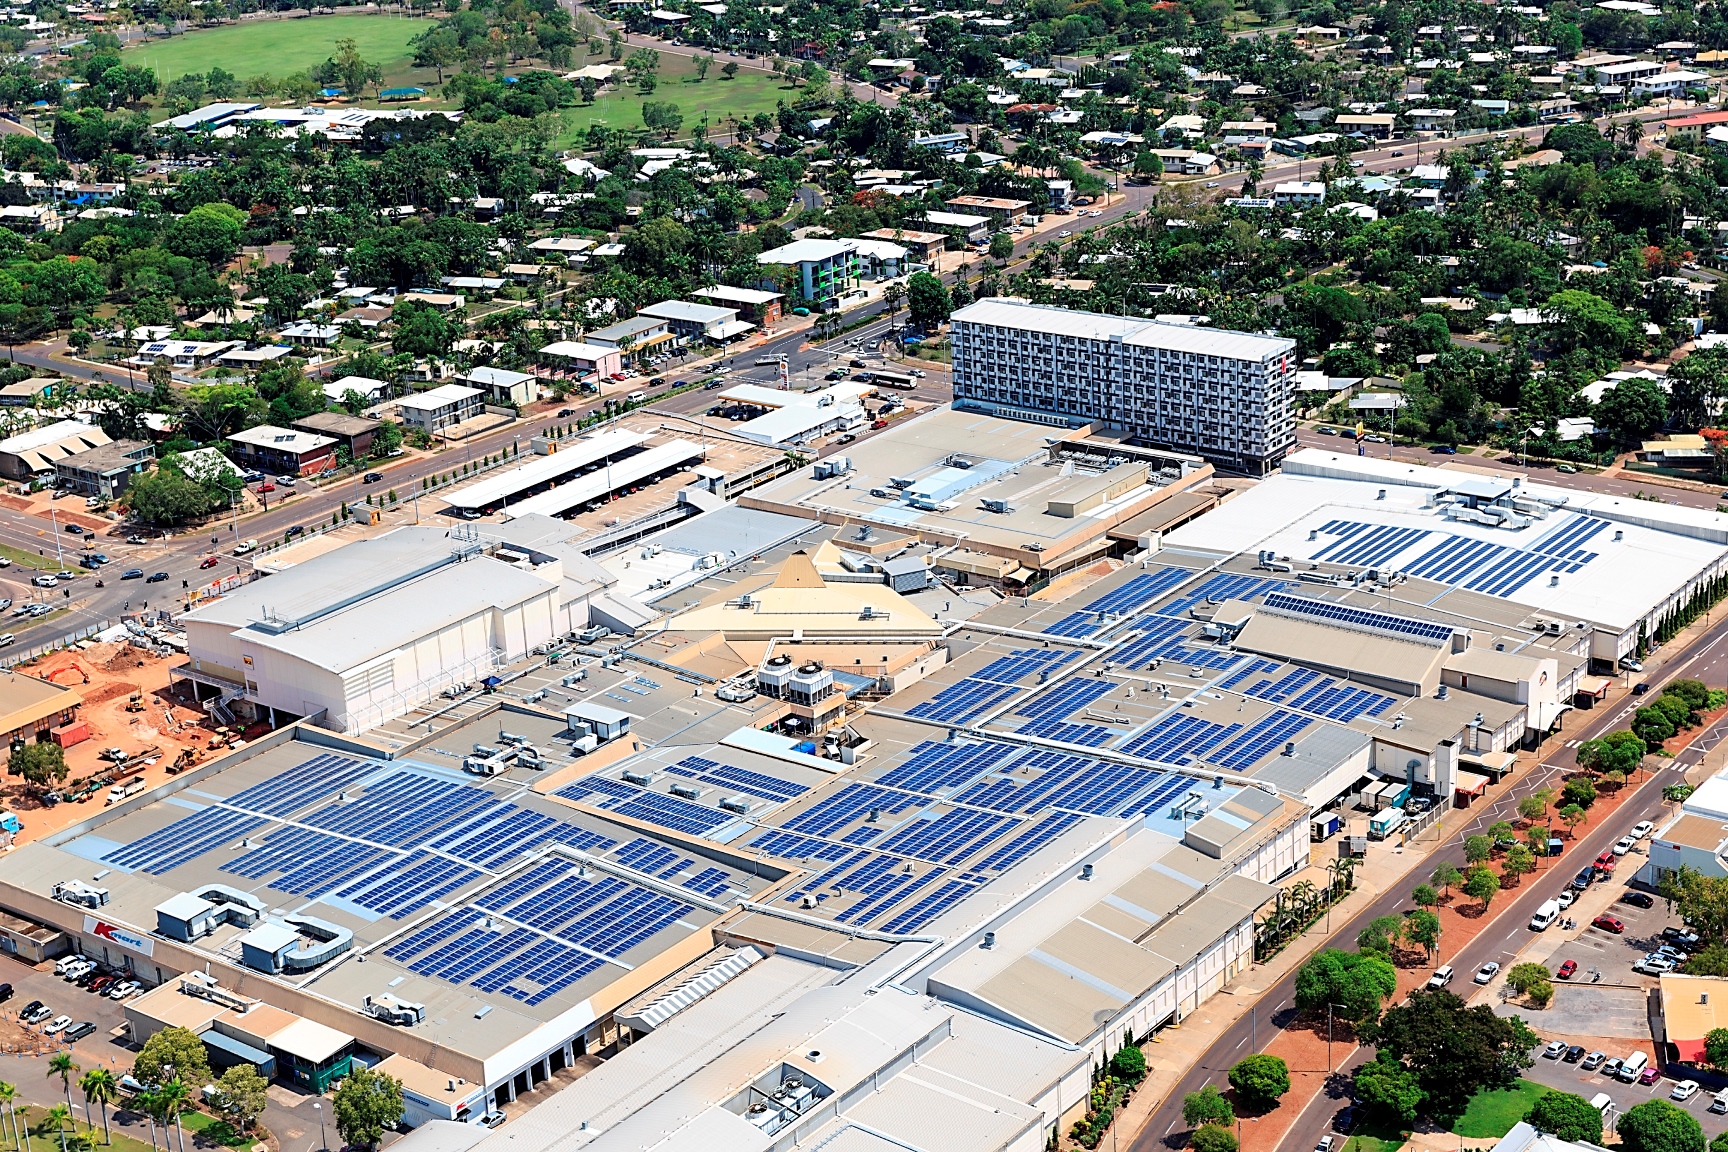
(992, 685)
(955, 814)
(1477, 565)
(1142, 589)
(1179, 738)
(1050, 710)
(1315, 692)
(1428, 630)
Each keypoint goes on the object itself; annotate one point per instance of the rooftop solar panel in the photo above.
(1429, 630)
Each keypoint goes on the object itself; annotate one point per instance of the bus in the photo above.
(894, 380)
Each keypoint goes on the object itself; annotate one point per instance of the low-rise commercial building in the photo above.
(33, 454)
(106, 471)
(354, 433)
(439, 408)
(282, 451)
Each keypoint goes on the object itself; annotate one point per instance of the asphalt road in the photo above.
(1501, 938)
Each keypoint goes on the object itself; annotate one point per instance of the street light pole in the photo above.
(323, 1141)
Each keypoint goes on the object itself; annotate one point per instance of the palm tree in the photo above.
(60, 1114)
(100, 1089)
(8, 1093)
(893, 296)
(173, 1097)
(23, 1123)
(146, 1102)
(60, 1064)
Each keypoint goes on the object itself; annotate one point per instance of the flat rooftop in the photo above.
(497, 908)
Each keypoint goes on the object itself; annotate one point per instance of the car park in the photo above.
(1684, 1090)
(1442, 976)
(1487, 972)
(1593, 1061)
(1565, 971)
(1638, 899)
(1609, 924)
(1554, 1050)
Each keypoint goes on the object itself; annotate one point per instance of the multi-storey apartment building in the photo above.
(1221, 395)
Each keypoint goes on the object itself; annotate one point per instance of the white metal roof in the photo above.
(283, 439)
(440, 397)
(603, 480)
(572, 456)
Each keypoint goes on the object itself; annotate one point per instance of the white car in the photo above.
(58, 1024)
(1654, 965)
(1624, 845)
(123, 989)
(1064, 234)
(1565, 898)
(66, 962)
(1642, 829)
(77, 970)
(1211, 183)
(44, 581)
(1442, 976)
(1487, 972)
(1684, 1090)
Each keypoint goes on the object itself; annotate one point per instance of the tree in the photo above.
(101, 1089)
(1454, 1051)
(61, 1115)
(1702, 902)
(60, 1064)
(1148, 166)
(1572, 815)
(1355, 983)
(1482, 885)
(1212, 1138)
(39, 764)
(1446, 875)
(1207, 1106)
(1477, 848)
(357, 74)
(173, 1098)
(1582, 320)
(1632, 410)
(1260, 1080)
(165, 497)
(1519, 861)
(175, 1048)
(927, 300)
(1521, 976)
(1129, 1064)
(729, 70)
(1579, 790)
(1422, 928)
(241, 1095)
(1658, 1126)
(1379, 935)
(1619, 751)
(1424, 896)
(662, 116)
(1388, 1089)
(1567, 1116)
(1532, 808)
(366, 1104)
(210, 232)
(1001, 246)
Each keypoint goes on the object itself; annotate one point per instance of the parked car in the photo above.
(124, 989)
(1554, 1050)
(78, 1031)
(266, 487)
(1574, 1054)
(1653, 965)
(24, 1012)
(1487, 972)
(1566, 898)
(1606, 861)
(1325, 1144)
(1442, 976)
(1684, 1090)
(1609, 924)
(1631, 665)
(1565, 971)
(286, 481)
(1584, 879)
(1638, 899)
(58, 1024)
(492, 1119)
(1611, 1068)
(1593, 1061)
(1682, 937)
(1650, 1075)
(1642, 829)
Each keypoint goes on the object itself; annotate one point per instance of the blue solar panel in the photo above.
(640, 804)
(517, 887)
(1067, 698)
(949, 838)
(1007, 855)
(1142, 589)
(709, 882)
(742, 779)
(934, 767)
(182, 841)
(930, 907)
(1381, 621)
(1267, 734)
(434, 933)
(797, 847)
(410, 885)
(1178, 739)
(1223, 586)
(851, 802)
(306, 782)
(1365, 545)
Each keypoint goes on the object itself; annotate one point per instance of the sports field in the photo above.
(280, 47)
(743, 96)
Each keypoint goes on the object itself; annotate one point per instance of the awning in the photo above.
(1594, 686)
(1496, 763)
(1471, 784)
(229, 1051)
(1019, 575)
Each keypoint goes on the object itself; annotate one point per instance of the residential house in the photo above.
(440, 408)
(504, 387)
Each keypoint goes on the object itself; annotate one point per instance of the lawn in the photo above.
(31, 559)
(1493, 1113)
(216, 1131)
(748, 93)
(281, 47)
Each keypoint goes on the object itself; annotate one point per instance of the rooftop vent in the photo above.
(1086, 872)
(989, 940)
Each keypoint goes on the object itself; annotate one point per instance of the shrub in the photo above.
(1212, 1138)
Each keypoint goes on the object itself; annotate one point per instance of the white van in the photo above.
(637, 396)
(1602, 1102)
(1634, 1064)
(1545, 915)
(1719, 1103)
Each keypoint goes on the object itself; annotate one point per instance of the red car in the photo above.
(266, 487)
(209, 562)
(1564, 972)
(1608, 924)
(1606, 861)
